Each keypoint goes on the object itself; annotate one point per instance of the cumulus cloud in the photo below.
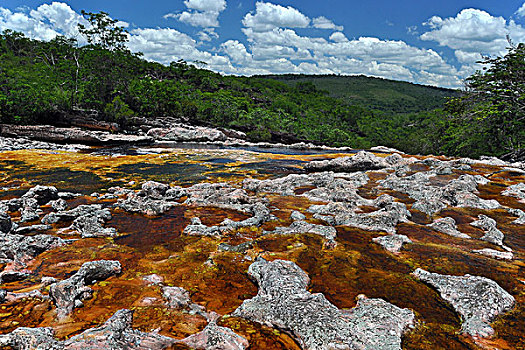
(473, 32)
(200, 13)
(268, 16)
(324, 23)
(44, 23)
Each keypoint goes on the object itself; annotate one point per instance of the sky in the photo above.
(421, 41)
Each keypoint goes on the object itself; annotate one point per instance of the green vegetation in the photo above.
(385, 95)
(42, 80)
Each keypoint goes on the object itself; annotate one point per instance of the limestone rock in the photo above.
(392, 242)
(214, 337)
(69, 293)
(315, 323)
(477, 299)
(448, 226)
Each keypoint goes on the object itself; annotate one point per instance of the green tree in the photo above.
(104, 31)
(490, 116)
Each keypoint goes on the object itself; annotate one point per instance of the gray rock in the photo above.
(138, 204)
(5, 222)
(59, 204)
(186, 133)
(296, 215)
(214, 337)
(42, 194)
(33, 228)
(3, 294)
(154, 190)
(240, 248)
(69, 293)
(315, 323)
(196, 228)
(176, 297)
(95, 210)
(477, 299)
(516, 191)
(448, 226)
(519, 213)
(392, 242)
(21, 249)
(301, 227)
(492, 234)
(91, 226)
(29, 210)
(496, 254)
(362, 161)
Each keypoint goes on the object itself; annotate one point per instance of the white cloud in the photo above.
(201, 13)
(269, 16)
(473, 32)
(521, 11)
(338, 37)
(43, 23)
(324, 23)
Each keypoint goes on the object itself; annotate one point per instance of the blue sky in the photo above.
(426, 42)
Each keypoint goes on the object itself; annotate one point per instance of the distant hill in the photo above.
(374, 93)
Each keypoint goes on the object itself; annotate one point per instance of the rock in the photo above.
(42, 194)
(12, 276)
(240, 248)
(28, 229)
(95, 210)
(492, 234)
(91, 226)
(177, 297)
(301, 227)
(5, 222)
(429, 206)
(214, 337)
(491, 253)
(29, 210)
(31, 339)
(519, 213)
(392, 242)
(50, 133)
(69, 293)
(448, 226)
(283, 302)
(516, 191)
(186, 133)
(384, 149)
(477, 299)
(154, 190)
(362, 161)
(21, 249)
(3, 294)
(47, 281)
(59, 204)
(196, 228)
(139, 204)
(296, 215)
(18, 143)
(153, 279)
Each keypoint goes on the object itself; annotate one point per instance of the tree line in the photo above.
(39, 80)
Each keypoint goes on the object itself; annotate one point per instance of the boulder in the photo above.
(186, 133)
(284, 302)
(362, 161)
(392, 242)
(68, 294)
(448, 226)
(492, 234)
(477, 299)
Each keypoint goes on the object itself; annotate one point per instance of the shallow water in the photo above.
(219, 281)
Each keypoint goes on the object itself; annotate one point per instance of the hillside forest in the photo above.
(40, 80)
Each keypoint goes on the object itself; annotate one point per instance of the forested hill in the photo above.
(374, 93)
(42, 82)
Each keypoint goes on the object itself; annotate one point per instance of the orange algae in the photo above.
(219, 281)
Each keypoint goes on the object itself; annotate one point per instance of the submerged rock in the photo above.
(283, 302)
(477, 299)
(448, 226)
(69, 294)
(392, 242)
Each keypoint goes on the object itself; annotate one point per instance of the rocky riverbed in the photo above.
(177, 248)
